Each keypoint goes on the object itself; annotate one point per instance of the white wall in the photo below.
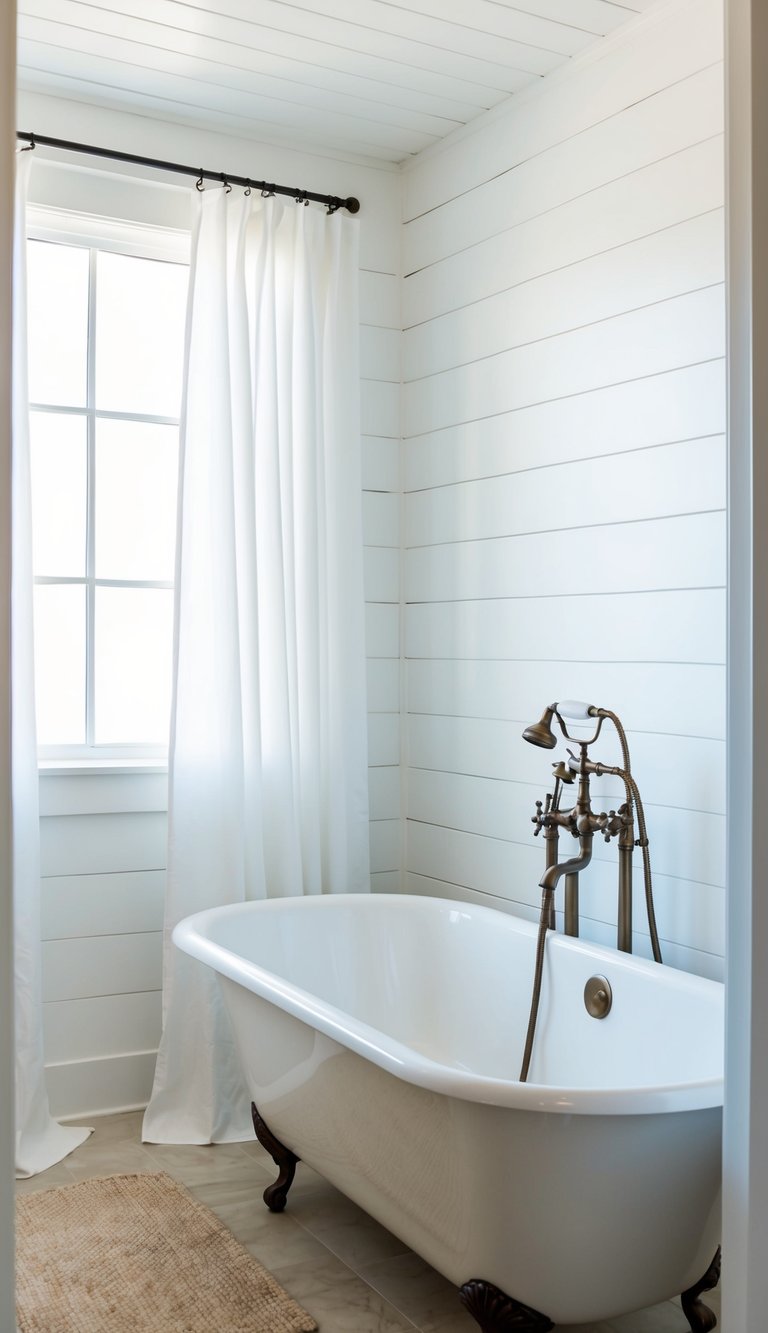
(103, 846)
(565, 471)
(104, 836)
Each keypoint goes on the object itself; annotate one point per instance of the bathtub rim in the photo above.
(405, 1063)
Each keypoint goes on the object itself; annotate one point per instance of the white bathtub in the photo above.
(381, 1038)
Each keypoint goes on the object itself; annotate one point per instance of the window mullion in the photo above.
(90, 547)
(60, 410)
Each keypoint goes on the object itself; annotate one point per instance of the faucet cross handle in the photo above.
(609, 825)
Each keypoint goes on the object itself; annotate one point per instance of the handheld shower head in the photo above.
(541, 733)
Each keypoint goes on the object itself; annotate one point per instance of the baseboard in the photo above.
(95, 1115)
(105, 1086)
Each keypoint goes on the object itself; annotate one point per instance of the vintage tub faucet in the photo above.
(583, 823)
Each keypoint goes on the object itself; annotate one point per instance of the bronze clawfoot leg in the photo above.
(699, 1315)
(275, 1195)
(497, 1313)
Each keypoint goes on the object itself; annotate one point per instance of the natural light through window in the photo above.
(106, 341)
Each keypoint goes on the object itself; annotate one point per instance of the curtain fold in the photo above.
(268, 759)
(40, 1140)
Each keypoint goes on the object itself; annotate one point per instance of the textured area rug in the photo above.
(138, 1254)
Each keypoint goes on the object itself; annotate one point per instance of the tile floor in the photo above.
(350, 1273)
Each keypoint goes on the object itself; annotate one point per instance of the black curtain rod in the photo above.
(332, 201)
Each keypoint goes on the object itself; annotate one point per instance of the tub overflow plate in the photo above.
(598, 997)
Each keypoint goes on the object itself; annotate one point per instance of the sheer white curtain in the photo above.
(268, 765)
(40, 1140)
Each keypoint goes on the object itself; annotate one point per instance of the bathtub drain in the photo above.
(598, 997)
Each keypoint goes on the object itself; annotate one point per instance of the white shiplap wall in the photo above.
(564, 462)
(104, 837)
(103, 864)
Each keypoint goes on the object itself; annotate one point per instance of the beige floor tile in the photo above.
(321, 1203)
(306, 1179)
(206, 1159)
(602, 1327)
(222, 1190)
(113, 1160)
(200, 1154)
(360, 1243)
(45, 1180)
(349, 1232)
(281, 1248)
(665, 1318)
(254, 1149)
(246, 1172)
(274, 1238)
(339, 1300)
(420, 1293)
(123, 1127)
(250, 1220)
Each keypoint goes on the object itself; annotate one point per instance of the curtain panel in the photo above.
(40, 1140)
(268, 756)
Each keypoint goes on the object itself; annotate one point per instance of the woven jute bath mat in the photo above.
(138, 1254)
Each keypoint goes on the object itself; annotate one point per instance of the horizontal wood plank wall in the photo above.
(565, 472)
(104, 837)
(103, 849)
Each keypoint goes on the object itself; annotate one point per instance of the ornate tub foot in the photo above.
(275, 1195)
(497, 1313)
(699, 1315)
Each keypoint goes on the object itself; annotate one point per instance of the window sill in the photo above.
(61, 768)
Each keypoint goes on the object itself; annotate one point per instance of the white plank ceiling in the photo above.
(365, 77)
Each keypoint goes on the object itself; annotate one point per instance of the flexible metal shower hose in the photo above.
(541, 939)
(633, 794)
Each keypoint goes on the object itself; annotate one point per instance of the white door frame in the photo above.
(7, 148)
(745, 1156)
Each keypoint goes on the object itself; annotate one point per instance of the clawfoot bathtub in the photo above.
(381, 1039)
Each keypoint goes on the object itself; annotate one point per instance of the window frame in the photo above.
(141, 241)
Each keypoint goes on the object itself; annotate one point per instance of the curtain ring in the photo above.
(227, 185)
(247, 188)
(31, 146)
(268, 192)
(199, 184)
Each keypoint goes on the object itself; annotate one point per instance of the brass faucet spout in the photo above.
(553, 874)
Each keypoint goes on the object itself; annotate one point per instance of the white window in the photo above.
(106, 342)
